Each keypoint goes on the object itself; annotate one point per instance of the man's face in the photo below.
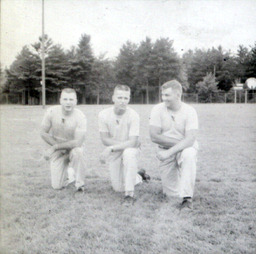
(121, 99)
(170, 97)
(68, 101)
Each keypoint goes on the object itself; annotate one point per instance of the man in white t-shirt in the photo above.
(119, 128)
(64, 128)
(173, 127)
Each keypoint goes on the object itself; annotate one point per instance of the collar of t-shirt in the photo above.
(174, 113)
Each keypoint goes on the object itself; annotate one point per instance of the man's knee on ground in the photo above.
(56, 186)
(117, 186)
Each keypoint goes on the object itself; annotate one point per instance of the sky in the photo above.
(189, 23)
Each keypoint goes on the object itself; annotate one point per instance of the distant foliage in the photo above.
(144, 67)
(200, 62)
(147, 66)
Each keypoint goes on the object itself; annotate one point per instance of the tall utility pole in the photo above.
(43, 60)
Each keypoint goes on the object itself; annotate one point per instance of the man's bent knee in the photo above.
(76, 152)
(130, 153)
(188, 154)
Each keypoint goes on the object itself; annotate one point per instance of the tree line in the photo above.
(144, 67)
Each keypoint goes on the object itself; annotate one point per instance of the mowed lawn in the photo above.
(37, 219)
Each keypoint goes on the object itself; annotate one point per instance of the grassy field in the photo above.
(37, 219)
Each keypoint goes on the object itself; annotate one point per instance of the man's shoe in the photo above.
(145, 177)
(80, 189)
(186, 203)
(128, 200)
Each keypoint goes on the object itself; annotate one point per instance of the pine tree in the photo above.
(102, 79)
(125, 64)
(56, 65)
(207, 89)
(166, 64)
(82, 65)
(251, 68)
(144, 67)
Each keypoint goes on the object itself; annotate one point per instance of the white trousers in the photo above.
(178, 173)
(123, 168)
(59, 163)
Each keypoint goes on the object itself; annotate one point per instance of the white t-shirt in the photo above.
(62, 127)
(174, 124)
(119, 127)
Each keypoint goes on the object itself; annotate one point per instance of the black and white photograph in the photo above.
(127, 127)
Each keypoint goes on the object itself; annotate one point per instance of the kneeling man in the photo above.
(173, 127)
(119, 127)
(64, 128)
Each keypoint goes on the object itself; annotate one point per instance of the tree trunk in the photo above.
(98, 95)
(40, 98)
(159, 90)
(83, 96)
(29, 97)
(23, 97)
(58, 96)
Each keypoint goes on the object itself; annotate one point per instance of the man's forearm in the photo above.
(67, 145)
(126, 144)
(110, 142)
(48, 139)
(164, 140)
(183, 144)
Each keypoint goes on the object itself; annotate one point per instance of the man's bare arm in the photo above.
(107, 140)
(68, 145)
(118, 145)
(132, 142)
(158, 138)
(114, 146)
(76, 142)
(44, 132)
(187, 142)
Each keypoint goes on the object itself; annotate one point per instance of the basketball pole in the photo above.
(43, 60)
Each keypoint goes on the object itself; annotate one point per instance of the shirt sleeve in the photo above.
(155, 117)
(135, 125)
(47, 120)
(192, 120)
(102, 123)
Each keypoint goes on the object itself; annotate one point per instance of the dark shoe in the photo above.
(79, 189)
(145, 177)
(128, 200)
(163, 197)
(186, 203)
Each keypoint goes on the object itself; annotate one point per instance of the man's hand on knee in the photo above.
(105, 154)
(48, 153)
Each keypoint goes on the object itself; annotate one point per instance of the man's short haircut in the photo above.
(68, 90)
(122, 88)
(174, 84)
